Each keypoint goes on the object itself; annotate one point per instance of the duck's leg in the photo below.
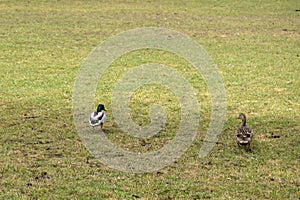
(101, 126)
(249, 147)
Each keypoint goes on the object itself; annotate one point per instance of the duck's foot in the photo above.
(249, 147)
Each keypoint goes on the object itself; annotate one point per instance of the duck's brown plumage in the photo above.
(244, 134)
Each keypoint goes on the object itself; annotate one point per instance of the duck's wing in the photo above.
(239, 136)
(248, 132)
(103, 118)
(93, 120)
(93, 116)
(244, 134)
(244, 130)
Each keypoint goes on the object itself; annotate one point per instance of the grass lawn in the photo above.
(254, 44)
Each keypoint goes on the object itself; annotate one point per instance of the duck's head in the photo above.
(100, 108)
(242, 116)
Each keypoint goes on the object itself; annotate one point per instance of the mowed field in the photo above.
(254, 44)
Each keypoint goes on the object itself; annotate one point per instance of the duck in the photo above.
(98, 118)
(244, 134)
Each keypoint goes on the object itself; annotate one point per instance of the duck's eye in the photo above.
(248, 134)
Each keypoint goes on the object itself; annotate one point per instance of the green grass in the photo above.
(256, 46)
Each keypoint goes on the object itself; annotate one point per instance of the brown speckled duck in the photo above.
(244, 134)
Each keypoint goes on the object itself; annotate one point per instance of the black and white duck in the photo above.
(98, 118)
(244, 134)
